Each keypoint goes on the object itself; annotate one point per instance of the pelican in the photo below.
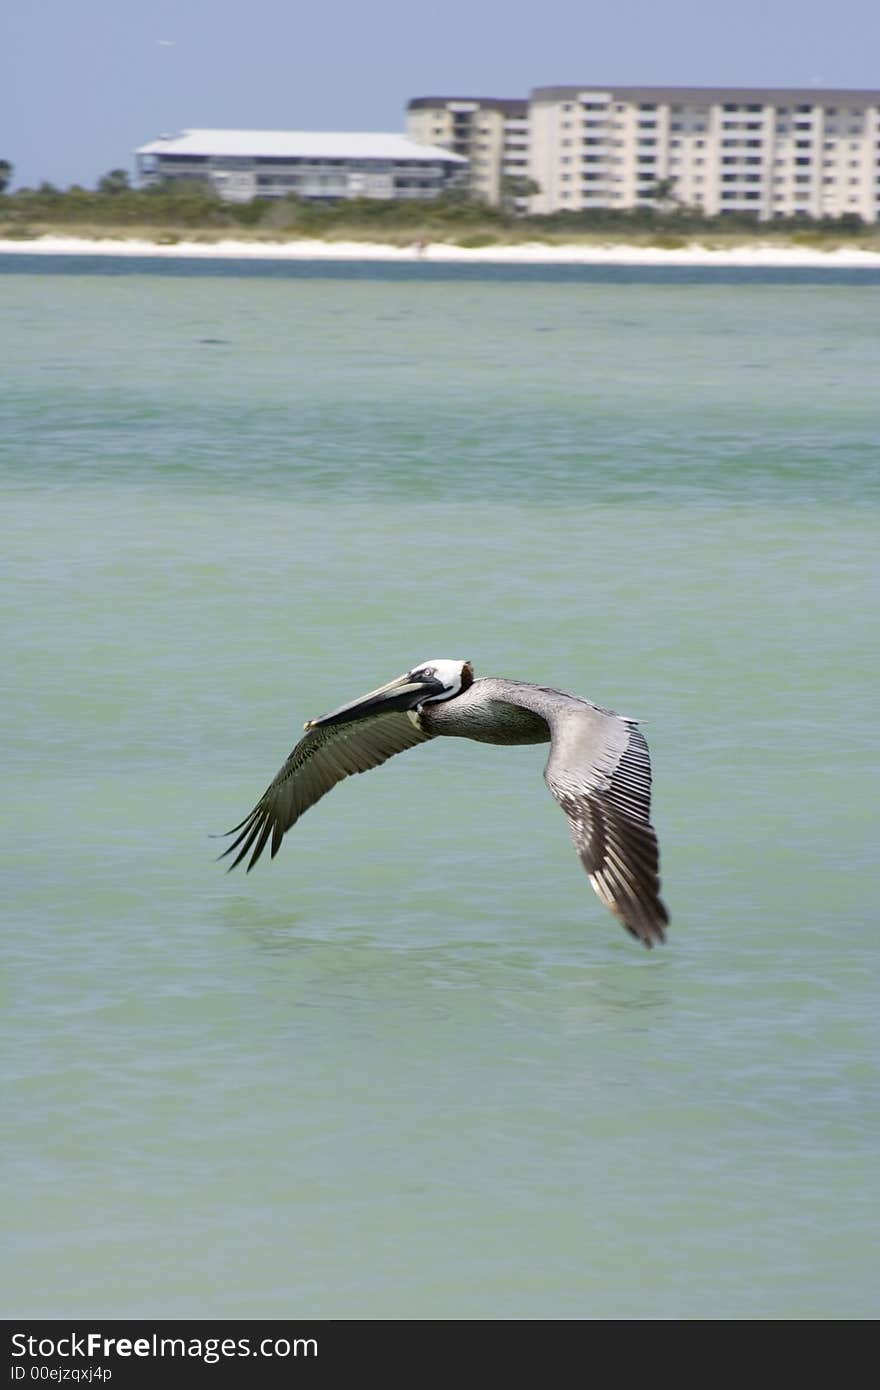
(598, 770)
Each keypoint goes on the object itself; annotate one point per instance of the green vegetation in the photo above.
(191, 211)
(115, 182)
(515, 187)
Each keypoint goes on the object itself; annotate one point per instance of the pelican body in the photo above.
(598, 770)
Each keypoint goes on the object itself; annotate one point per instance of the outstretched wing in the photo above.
(323, 757)
(599, 770)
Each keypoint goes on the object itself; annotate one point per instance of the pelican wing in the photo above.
(324, 756)
(599, 771)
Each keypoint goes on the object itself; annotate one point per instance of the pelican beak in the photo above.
(400, 694)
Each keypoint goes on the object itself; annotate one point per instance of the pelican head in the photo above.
(430, 681)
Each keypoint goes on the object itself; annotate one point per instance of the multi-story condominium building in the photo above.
(490, 132)
(322, 165)
(771, 152)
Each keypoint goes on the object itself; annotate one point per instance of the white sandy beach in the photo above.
(525, 254)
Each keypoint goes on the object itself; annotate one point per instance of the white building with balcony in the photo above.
(778, 152)
(492, 133)
(326, 166)
(771, 152)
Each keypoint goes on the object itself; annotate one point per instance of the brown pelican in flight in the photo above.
(598, 770)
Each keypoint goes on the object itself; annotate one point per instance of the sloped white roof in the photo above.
(297, 144)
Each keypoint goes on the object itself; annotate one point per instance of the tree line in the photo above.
(193, 205)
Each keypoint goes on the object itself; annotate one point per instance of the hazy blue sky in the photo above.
(85, 81)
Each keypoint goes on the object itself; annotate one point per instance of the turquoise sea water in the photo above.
(412, 1068)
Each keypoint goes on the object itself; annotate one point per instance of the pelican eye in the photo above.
(426, 671)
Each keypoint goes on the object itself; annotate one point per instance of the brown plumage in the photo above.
(598, 770)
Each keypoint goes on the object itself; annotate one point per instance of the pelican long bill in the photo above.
(400, 694)
(599, 771)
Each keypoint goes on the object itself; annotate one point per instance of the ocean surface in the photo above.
(412, 1068)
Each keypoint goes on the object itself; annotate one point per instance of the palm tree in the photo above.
(515, 187)
(663, 193)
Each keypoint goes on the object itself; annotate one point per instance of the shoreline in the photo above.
(525, 253)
